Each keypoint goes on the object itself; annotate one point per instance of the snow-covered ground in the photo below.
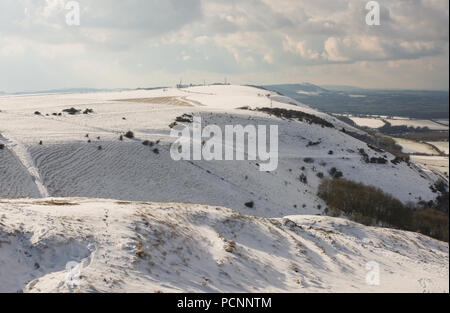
(417, 123)
(173, 247)
(442, 121)
(441, 145)
(67, 165)
(50, 155)
(368, 122)
(411, 146)
(438, 164)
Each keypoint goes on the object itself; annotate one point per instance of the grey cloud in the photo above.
(260, 37)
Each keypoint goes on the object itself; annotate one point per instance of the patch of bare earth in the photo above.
(159, 100)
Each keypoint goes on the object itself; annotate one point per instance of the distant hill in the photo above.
(353, 100)
(305, 88)
(342, 88)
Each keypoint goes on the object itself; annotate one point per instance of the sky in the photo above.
(145, 43)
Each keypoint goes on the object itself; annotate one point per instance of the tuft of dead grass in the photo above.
(158, 100)
(56, 202)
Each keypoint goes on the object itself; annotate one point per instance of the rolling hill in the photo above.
(68, 162)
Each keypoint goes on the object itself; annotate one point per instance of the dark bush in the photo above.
(335, 173)
(250, 204)
(185, 118)
(378, 160)
(432, 223)
(129, 134)
(303, 178)
(299, 115)
(371, 206)
(72, 111)
(313, 143)
(366, 204)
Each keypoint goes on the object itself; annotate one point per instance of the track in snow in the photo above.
(23, 156)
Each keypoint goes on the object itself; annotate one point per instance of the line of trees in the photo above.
(369, 205)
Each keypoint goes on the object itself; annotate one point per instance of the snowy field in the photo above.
(50, 153)
(417, 123)
(411, 146)
(173, 247)
(441, 121)
(368, 122)
(66, 164)
(441, 145)
(437, 164)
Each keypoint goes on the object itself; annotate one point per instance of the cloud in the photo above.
(263, 40)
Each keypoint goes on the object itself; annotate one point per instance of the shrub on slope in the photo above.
(371, 206)
(294, 114)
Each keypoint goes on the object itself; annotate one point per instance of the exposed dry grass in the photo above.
(159, 100)
(56, 202)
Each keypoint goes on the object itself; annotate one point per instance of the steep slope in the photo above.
(15, 179)
(67, 165)
(174, 247)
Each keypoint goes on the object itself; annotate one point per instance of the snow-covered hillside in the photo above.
(174, 247)
(68, 164)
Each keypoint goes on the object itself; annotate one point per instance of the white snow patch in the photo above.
(175, 247)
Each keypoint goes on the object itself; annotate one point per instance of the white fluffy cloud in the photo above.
(153, 42)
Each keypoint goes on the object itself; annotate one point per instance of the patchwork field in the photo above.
(417, 123)
(412, 147)
(368, 122)
(441, 145)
